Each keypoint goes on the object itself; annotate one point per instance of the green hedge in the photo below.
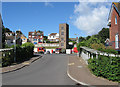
(7, 57)
(107, 67)
(23, 53)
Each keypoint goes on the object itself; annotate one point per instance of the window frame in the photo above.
(115, 19)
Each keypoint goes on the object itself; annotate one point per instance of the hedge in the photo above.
(23, 53)
(105, 66)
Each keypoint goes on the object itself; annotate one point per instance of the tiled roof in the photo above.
(52, 34)
(35, 33)
(117, 6)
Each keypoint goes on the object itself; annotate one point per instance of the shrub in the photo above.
(23, 53)
(108, 50)
(63, 50)
(107, 67)
(97, 46)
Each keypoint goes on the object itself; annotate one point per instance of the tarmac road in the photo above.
(49, 70)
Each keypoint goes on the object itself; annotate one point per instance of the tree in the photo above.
(92, 40)
(103, 34)
(88, 37)
(81, 39)
(3, 37)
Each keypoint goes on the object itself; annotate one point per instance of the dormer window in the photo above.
(115, 19)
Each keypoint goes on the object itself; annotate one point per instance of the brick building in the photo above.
(64, 35)
(114, 24)
(36, 37)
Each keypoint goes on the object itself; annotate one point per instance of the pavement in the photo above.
(79, 72)
(20, 65)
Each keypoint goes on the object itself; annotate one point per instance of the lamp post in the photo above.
(15, 48)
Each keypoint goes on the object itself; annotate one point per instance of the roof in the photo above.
(52, 34)
(35, 33)
(73, 38)
(115, 5)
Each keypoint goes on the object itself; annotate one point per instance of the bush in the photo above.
(108, 50)
(80, 44)
(23, 53)
(97, 46)
(63, 50)
(7, 57)
(107, 67)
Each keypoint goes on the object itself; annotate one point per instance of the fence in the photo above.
(87, 53)
(102, 64)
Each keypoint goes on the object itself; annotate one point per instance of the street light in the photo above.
(15, 48)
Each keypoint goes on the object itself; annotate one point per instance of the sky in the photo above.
(84, 18)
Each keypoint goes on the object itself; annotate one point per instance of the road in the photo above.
(49, 70)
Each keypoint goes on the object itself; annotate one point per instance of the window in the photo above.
(34, 39)
(39, 40)
(62, 33)
(62, 44)
(38, 33)
(62, 28)
(116, 41)
(115, 19)
(62, 39)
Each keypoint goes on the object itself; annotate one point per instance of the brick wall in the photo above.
(65, 37)
(115, 28)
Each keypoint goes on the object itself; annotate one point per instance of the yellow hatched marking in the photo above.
(71, 64)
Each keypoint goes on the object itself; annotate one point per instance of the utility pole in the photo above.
(15, 48)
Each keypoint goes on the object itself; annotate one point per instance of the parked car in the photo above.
(48, 52)
(58, 50)
(41, 50)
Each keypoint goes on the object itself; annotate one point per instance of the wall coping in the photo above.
(7, 49)
(99, 52)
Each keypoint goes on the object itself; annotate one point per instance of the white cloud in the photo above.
(48, 4)
(91, 17)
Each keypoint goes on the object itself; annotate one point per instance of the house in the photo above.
(54, 37)
(73, 39)
(24, 39)
(10, 38)
(107, 42)
(36, 37)
(114, 25)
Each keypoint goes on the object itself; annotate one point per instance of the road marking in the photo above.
(79, 66)
(71, 64)
(26, 63)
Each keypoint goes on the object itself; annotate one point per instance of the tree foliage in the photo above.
(103, 34)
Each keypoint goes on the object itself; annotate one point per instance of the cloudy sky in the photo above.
(84, 18)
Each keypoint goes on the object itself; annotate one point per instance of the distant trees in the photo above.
(3, 37)
(81, 39)
(94, 40)
(103, 34)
